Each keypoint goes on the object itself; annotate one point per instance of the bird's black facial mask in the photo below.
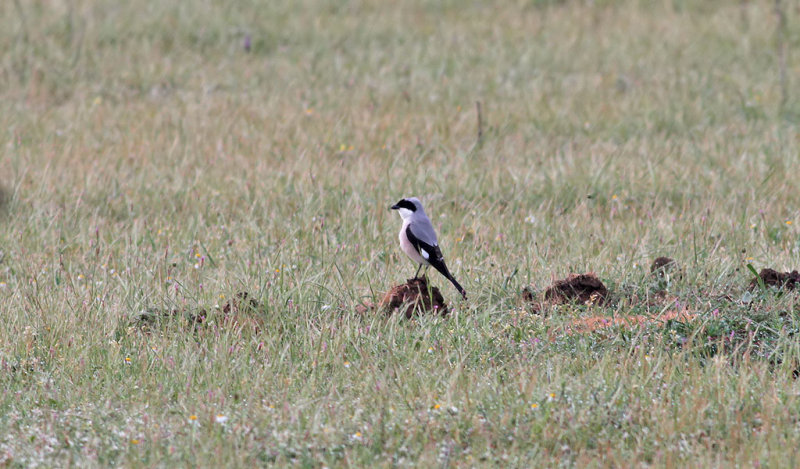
(406, 204)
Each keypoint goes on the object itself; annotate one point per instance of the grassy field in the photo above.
(151, 163)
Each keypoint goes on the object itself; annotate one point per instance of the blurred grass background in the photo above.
(151, 159)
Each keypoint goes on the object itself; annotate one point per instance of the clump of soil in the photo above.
(773, 278)
(533, 302)
(241, 310)
(365, 308)
(414, 296)
(662, 266)
(583, 288)
(152, 317)
(528, 296)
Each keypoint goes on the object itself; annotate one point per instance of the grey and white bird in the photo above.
(418, 239)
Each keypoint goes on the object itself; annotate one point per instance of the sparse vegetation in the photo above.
(160, 158)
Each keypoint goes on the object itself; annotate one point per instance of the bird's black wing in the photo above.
(429, 252)
(434, 256)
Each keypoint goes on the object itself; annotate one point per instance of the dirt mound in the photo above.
(773, 278)
(532, 301)
(241, 310)
(584, 288)
(153, 317)
(413, 296)
(528, 295)
(661, 266)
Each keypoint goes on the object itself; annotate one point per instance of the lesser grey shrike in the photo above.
(418, 239)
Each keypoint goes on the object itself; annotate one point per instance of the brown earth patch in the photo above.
(415, 296)
(527, 295)
(365, 308)
(661, 266)
(533, 302)
(241, 311)
(583, 288)
(773, 278)
(595, 323)
(152, 317)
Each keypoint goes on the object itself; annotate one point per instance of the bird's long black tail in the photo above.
(442, 268)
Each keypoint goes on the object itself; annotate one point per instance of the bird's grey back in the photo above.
(422, 228)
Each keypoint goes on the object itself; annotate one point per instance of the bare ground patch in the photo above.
(663, 266)
(416, 296)
(595, 323)
(576, 288)
(589, 290)
(242, 311)
(773, 278)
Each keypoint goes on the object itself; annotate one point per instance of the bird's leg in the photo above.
(416, 275)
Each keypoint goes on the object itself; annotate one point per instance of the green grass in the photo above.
(150, 163)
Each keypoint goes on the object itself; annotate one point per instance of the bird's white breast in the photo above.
(409, 248)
